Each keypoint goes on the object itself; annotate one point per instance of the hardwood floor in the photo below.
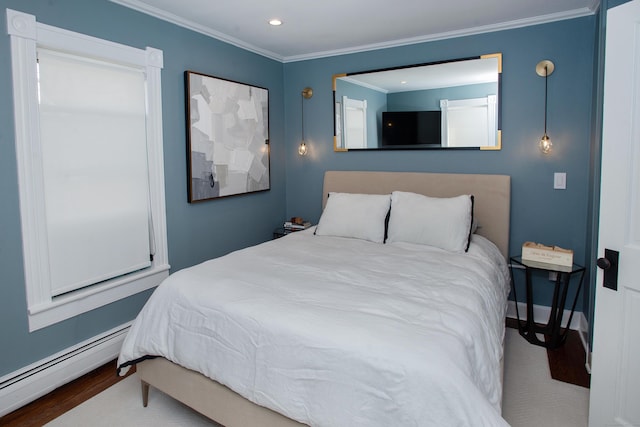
(566, 364)
(64, 398)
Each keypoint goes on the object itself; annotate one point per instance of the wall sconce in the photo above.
(545, 69)
(307, 93)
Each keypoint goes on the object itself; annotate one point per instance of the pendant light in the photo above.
(545, 69)
(307, 93)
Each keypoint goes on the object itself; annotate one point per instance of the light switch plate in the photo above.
(560, 181)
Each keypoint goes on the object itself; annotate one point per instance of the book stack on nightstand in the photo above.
(297, 225)
(293, 225)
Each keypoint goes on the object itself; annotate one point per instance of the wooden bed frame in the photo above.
(219, 403)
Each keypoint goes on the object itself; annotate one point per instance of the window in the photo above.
(90, 169)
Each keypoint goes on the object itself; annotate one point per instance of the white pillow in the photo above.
(359, 216)
(441, 222)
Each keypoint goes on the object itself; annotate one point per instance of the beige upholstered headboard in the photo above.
(492, 194)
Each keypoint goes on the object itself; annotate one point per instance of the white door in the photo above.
(355, 122)
(615, 379)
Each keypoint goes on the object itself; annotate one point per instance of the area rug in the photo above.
(531, 398)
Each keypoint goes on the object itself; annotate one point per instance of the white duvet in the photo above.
(340, 332)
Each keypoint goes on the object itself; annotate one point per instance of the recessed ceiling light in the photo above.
(275, 22)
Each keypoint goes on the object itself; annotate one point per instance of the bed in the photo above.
(324, 328)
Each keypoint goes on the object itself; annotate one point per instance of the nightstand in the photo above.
(281, 232)
(564, 275)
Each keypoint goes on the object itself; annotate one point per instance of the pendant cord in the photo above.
(546, 77)
(302, 109)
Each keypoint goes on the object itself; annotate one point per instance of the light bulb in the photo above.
(302, 149)
(545, 144)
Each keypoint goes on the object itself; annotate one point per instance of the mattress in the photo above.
(334, 331)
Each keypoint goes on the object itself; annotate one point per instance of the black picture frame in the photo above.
(227, 137)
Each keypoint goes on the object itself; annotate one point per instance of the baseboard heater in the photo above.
(27, 384)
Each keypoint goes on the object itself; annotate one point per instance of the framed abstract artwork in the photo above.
(227, 137)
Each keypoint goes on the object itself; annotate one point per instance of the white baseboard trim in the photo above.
(584, 337)
(27, 384)
(587, 364)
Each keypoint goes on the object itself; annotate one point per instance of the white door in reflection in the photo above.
(355, 122)
(469, 122)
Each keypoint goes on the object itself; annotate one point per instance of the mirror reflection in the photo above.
(449, 104)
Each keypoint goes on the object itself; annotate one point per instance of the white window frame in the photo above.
(26, 35)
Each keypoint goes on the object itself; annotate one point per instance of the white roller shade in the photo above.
(95, 169)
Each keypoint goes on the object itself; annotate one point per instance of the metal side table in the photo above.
(528, 328)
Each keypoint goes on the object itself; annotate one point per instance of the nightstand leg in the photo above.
(557, 310)
(531, 322)
(515, 299)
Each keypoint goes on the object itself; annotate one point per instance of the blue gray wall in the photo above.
(195, 232)
(539, 213)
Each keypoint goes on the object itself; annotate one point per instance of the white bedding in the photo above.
(333, 331)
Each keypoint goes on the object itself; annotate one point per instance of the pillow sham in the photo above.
(445, 223)
(358, 216)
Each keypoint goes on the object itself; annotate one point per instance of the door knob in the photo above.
(609, 263)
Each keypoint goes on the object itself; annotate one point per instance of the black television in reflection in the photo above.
(411, 129)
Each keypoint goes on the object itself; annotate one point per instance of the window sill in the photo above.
(81, 301)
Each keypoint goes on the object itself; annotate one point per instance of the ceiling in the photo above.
(313, 29)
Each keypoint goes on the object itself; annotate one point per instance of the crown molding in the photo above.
(185, 23)
(543, 19)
